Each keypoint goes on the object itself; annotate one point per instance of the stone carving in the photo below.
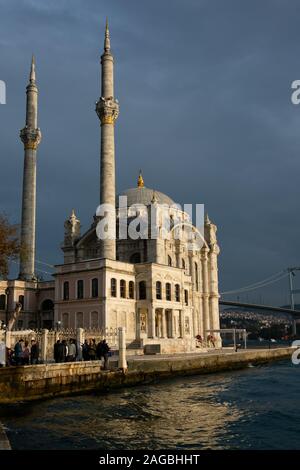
(31, 138)
(107, 110)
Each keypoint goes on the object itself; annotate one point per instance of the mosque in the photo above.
(162, 289)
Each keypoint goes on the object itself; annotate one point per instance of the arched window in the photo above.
(66, 290)
(2, 302)
(95, 287)
(79, 320)
(158, 290)
(169, 260)
(21, 301)
(168, 291)
(123, 289)
(47, 305)
(177, 292)
(113, 287)
(183, 264)
(196, 276)
(80, 289)
(142, 290)
(186, 297)
(131, 289)
(135, 258)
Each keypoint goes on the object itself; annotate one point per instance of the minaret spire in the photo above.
(107, 38)
(31, 137)
(107, 109)
(32, 70)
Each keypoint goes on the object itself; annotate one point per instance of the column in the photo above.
(182, 325)
(164, 326)
(44, 346)
(122, 349)
(204, 262)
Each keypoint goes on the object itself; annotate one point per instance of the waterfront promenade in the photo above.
(27, 383)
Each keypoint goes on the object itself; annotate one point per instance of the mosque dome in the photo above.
(145, 196)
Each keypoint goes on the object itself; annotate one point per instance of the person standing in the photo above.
(19, 352)
(34, 352)
(105, 353)
(56, 351)
(71, 351)
(26, 354)
(85, 351)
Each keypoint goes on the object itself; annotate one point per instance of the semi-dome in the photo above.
(145, 196)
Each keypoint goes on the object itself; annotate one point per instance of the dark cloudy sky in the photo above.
(204, 89)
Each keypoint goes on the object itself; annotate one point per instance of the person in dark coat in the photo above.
(99, 350)
(34, 352)
(105, 353)
(85, 351)
(19, 352)
(56, 351)
(62, 351)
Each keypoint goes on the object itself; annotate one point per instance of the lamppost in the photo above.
(58, 324)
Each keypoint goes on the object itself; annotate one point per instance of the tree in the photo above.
(10, 247)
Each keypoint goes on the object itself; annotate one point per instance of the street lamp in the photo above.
(58, 323)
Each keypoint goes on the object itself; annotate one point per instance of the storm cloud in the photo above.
(204, 88)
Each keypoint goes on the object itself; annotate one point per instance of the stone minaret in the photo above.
(107, 109)
(31, 137)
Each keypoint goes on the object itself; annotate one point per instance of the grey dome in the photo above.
(144, 196)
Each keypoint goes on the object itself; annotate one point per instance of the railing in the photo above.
(46, 339)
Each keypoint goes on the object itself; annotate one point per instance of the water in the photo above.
(256, 408)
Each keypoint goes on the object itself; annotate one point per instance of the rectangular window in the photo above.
(113, 287)
(186, 297)
(168, 291)
(158, 290)
(123, 289)
(94, 288)
(80, 289)
(66, 291)
(177, 293)
(131, 289)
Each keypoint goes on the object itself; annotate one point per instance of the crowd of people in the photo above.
(92, 351)
(24, 354)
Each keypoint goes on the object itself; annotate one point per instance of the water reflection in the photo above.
(255, 408)
(183, 413)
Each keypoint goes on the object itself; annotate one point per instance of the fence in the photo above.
(46, 339)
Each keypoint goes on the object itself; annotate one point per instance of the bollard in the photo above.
(122, 349)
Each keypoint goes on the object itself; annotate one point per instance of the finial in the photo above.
(140, 180)
(107, 38)
(207, 220)
(32, 70)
